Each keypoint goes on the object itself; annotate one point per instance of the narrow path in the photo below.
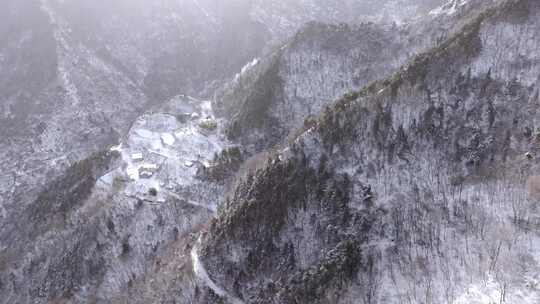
(190, 202)
(202, 274)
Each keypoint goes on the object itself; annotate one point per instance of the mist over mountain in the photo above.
(256, 151)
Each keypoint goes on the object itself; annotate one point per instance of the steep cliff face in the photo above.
(409, 182)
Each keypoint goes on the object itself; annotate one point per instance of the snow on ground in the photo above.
(523, 285)
(168, 139)
(482, 293)
(490, 292)
(202, 275)
(245, 69)
(449, 8)
(164, 153)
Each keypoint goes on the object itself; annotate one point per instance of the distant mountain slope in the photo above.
(273, 96)
(321, 63)
(76, 73)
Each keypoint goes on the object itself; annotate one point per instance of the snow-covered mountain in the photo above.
(274, 96)
(76, 73)
(420, 188)
(333, 152)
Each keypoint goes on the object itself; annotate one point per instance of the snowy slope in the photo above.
(422, 184)
(413, 190)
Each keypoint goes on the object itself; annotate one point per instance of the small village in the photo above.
(165, 151)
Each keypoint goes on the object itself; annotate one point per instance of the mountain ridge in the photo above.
(387, 194)
(398, 140)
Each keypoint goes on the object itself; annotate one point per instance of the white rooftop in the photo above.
(168, 139)
(137, 156)
(149, 167)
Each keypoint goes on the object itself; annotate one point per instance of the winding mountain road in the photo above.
(202, 275)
